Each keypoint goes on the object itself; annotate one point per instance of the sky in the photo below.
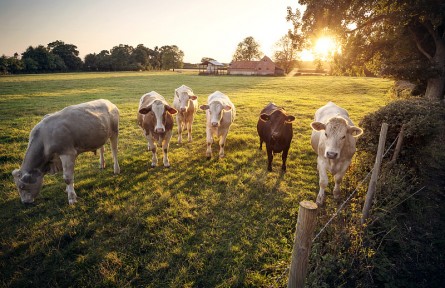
(200, 28)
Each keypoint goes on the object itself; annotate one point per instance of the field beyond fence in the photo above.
(201, 223)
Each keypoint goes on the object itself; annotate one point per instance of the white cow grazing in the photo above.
(333, 139)
(186, 102)
(156, 121)
(58, 138)
(220, 113)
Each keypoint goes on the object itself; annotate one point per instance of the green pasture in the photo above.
(201, 223)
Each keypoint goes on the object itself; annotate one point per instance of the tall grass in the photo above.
(202, 223)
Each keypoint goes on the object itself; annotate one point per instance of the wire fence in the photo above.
(337, 212)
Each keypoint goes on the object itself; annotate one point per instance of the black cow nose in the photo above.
(331, 155)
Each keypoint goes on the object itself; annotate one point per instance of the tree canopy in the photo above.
(58, 56)
(248, 50)
(401, 39)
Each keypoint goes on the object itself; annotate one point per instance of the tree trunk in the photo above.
(435, 88)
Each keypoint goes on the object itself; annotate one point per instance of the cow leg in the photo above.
(101, 159)
(261, 144)
(338, 178)
(68, 176)
(189, 130)
(179, 122)
(165, 145)
(152, 147)
(209, 144)
(336, 192)
(114, 140)
(222, 143)
(284, 158)
(269, 158)
(323, 182)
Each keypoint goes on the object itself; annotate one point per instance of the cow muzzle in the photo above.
(159, 130)
(183, 110)
(215, 124)
(331, 155)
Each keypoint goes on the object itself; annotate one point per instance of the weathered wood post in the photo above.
(375, 173)
(398, 146)
(302, 244)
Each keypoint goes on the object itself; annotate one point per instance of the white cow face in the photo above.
(159, 109)
(337, 132)
(184, 98)
(216, 110)
(28, 184)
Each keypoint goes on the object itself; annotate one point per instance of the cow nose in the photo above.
(159, 130)
(331, 155)
(215, 124)
(182, 110)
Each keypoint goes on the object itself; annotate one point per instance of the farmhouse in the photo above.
(263, 67)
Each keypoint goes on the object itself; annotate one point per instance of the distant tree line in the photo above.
(60, 57)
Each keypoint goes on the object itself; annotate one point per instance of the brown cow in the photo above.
(275, 128)
(156, 120)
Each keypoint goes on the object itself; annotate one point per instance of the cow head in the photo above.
(277, 120)
(159, 109)
(337, 132)
(216, 111)
(28, 184)
(184, 95)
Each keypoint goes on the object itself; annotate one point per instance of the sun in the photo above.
(325, 47)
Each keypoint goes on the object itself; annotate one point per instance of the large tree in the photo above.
(248, 50)
(286, 53)
(68, 53)
(171, 57)
(404, 39)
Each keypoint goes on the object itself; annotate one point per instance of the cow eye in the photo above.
(343, 137)
(326, 134)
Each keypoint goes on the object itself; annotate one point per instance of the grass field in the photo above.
(201, 223)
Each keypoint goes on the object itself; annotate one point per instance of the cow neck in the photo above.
(35, 157)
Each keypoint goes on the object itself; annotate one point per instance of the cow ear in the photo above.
(290, 118)
(227, 108)
(145, 110)
(355, 131)
(193, 97)
(264, 117)
(204, 107)
(17, 173)
(318, 126)
(171, 110)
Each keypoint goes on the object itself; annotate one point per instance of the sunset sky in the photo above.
(200, 28)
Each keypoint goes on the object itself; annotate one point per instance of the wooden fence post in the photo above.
(302, 244)
(398, 146)
(375, 173)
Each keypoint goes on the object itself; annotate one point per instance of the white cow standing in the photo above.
(58, 138)
(186, 102)
(156, 121)
(220, 114)
(333, 139)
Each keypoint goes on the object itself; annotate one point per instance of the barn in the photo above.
(212, 67)
(263, 67)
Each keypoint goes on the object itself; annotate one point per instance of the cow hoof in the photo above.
(72, 201)
(209, 157)
(152, 165)
(269, 169)
(167, 166)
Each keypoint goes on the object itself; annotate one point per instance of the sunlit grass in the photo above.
(201, 223)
